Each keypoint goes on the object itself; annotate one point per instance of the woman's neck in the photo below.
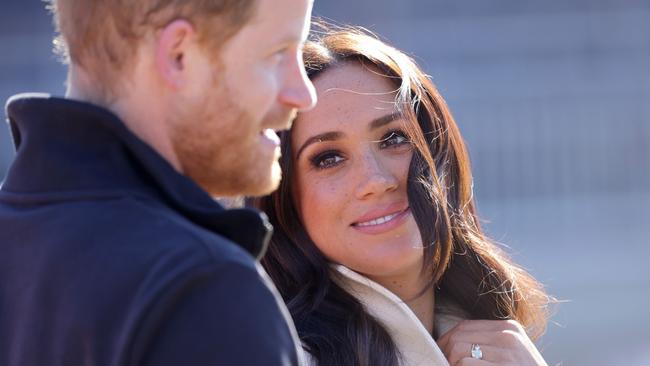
(409, 289)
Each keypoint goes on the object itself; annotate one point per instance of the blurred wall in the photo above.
(552, 98)
(27, 62)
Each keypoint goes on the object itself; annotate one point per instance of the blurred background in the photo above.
(553, 98)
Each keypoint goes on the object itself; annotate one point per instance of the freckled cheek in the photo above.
(402, 167)
(324, 209)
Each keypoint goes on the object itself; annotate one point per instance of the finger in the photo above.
(463, 350)
(480, 326)
(457, 336)
(444, 339)
(468, 361)
(503, 339)
(493, 325)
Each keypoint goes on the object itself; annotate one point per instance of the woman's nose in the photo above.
(375, 177)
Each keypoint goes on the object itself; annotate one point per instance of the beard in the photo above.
(219, 145)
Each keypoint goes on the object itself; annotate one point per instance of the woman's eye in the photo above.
(326, 160)
(393, 138)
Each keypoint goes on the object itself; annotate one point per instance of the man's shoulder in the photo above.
(133, 268)
(123, 228)
(149, 223)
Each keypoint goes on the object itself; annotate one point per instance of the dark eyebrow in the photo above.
(334, 135)
(327, 136)
(384, 120)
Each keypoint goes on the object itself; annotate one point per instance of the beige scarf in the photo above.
(415, 344)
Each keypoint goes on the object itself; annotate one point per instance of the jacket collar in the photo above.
(414, 342)
(68, 148)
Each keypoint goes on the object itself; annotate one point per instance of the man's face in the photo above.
(223, 125)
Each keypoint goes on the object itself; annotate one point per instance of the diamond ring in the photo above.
(476, 352)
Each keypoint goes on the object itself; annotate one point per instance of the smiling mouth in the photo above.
(271, 135)
(379, 220)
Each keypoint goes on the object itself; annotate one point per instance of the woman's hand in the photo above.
(502, 343)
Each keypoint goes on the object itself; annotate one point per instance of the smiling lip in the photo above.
(377, 222)
(270, 142)
(270, 135)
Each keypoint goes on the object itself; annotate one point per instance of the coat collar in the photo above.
(414, 342)
(67, 148)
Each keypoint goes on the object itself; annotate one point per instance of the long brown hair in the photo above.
(464, 265)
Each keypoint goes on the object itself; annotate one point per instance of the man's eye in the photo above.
(393, 138)
(326, 160)
(278, 55)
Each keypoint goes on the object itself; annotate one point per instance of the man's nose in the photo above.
(298, 91)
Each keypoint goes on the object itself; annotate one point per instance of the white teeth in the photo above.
(379, 220)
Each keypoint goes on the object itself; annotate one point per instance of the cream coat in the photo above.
(414, 342)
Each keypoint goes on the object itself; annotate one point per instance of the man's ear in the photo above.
(172, 48)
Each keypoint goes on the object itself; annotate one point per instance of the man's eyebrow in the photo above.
(383, 120)
(292, 39)
(326, 136)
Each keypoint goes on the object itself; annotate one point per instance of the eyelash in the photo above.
(394, 134)
(318, 161)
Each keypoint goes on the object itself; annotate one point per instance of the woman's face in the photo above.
(352, 159)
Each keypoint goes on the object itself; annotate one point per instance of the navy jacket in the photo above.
(108, 256)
